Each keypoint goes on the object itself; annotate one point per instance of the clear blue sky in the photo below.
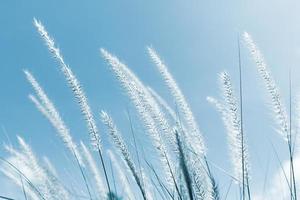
(196, 38)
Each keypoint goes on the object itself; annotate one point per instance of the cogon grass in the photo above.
(229, 109)
(181, 102)
(77, 91)
(278, 108)
(193, 135)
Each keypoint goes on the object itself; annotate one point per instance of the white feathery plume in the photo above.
(219, 106)
(122, 147)
(20, 162)
(47, 108)
(17, 178)
(73, 84)
(71, 146)
(136, 89)
(200, 181)
(195, 134)
(231, 118)
(229, 114)
(42, 178)
(130, 86)
(50, 166)
(277, 105)
(122, 176)
(163, 103)
(166, 106)
(147, 109)
(94, 170)
(40, 107)
(57, 189)
(28, 153)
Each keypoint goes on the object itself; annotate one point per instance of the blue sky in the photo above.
(197, 39)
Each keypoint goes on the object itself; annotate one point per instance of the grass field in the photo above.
(182, 168)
